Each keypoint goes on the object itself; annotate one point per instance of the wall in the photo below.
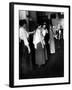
(22, 14)
(33, 15)
(58, 21)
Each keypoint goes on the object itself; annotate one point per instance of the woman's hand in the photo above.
(29, 50)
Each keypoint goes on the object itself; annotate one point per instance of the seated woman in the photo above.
(39, 46)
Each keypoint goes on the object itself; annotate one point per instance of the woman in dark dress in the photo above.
(44, 32)
(24, 49)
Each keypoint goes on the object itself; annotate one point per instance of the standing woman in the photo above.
(39, 47)
(24, 48)
(51, 41)
(44, 32)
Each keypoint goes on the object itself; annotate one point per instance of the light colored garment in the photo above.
(24, 35)
(59, 34)
(52, 43)
(37, 38)
(44, 31)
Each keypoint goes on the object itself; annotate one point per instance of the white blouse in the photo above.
(37, 38)
(44, 31)
(24, 35)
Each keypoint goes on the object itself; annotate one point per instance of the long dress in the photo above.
(23, 50)
(44, 32)
(39, 55)
(52, 43)
(39, 50)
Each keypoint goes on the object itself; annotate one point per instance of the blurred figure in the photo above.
(51, 41)
(59, 32)
(61, 28)
(60, 35)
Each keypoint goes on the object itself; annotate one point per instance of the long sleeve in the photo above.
(24, 35)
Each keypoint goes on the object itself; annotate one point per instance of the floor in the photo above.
(54, 66)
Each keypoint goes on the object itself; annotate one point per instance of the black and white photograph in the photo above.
(40, 51)
(41, 44)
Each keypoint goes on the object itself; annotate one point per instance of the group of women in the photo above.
(39, 42)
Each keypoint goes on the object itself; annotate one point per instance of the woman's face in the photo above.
(39, 26)
(44, 26)
(24, 25)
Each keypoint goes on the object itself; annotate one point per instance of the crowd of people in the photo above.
(41, 45)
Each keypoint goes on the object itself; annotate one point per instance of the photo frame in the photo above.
(56, 14)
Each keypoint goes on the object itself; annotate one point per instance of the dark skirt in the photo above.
(39, 55)
(45, 53)
(25, 63)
